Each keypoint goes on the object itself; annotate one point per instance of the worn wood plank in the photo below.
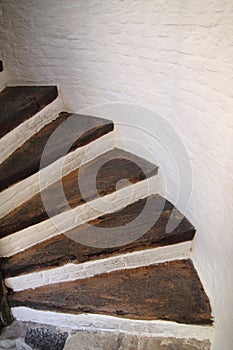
(63, 249)
(113, 166)
(25, 161)
(20, 103)
(170, 291)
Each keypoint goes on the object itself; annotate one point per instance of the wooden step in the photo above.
(64, 249)
(25, 161)
(20, 103)
(113, 166)
(169, 291)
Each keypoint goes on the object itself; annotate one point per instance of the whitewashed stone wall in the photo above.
(174, 57)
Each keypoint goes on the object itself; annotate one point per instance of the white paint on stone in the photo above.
(67, 220)
(17, 194)
(15, 138)
(72, 272)
(97, 322)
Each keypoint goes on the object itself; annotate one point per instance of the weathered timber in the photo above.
(20, 103)
(169, 291)
(26, 160)
(63, 249)
(113, 166)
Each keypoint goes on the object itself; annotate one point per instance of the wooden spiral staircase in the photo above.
(146, 286)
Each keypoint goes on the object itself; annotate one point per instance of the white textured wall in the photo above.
(175, 57)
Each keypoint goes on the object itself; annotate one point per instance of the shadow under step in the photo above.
(112, 167)
(85, 244)
(26, 160)
(168, 291)
(20, 103)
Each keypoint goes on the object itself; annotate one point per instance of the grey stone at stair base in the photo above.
(45, 339)
(84, 340)
(27, 336)
(12, 338)
(17, 344)
(18, 334)
(16, 330)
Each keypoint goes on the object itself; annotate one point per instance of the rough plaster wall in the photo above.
(175, 57)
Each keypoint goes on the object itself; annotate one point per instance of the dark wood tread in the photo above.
(25, 161)
(168, 291)
(64, 249)
(113, 166)
(20, 103)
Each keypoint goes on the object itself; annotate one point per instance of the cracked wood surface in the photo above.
(20, 103)
(112, 166)
(26, 160)
(168, 291)
(64, 249)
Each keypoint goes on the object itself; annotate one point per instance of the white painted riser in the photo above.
(97, 322)
(18, 136)
(71, 272)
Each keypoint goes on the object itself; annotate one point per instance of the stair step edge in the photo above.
(26, 238)
(68, 132)
(71, 271)
(149, 233)
(24, 190)
(170, 291)
(96, 179)
(18, 136)
(20, 103)
(88, 322)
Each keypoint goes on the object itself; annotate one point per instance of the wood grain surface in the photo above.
(20, 103)
(112, 166)
(26, 160)
(170, 291)
(64, 249)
